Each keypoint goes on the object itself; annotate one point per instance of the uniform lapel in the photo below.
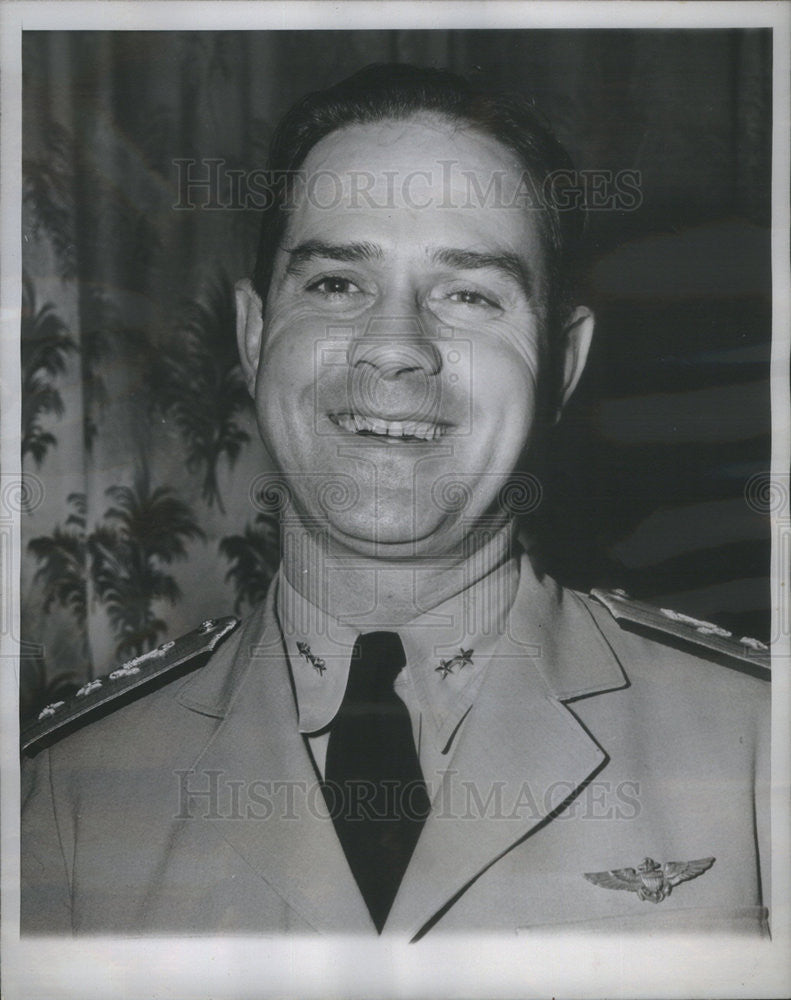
(295, 849)
(521, 752)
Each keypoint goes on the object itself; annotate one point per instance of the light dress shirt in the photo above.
(448, 649)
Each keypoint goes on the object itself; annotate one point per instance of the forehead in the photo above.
(412, 181)
(393, 144)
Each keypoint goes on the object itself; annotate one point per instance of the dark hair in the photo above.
(393, 91)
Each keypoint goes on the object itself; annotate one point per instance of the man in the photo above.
(419, 731)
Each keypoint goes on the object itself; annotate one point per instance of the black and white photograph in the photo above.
(395, 499)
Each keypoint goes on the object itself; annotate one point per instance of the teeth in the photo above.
(357, 423)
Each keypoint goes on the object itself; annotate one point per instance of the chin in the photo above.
(389, 537)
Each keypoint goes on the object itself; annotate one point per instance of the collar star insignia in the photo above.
(461, 659)
(445, 667)
(315, 661)
(652, 881)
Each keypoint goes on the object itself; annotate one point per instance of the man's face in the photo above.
(403, 338)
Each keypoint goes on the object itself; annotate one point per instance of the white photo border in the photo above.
(493, 967)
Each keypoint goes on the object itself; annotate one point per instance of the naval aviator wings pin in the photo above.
(650, 880)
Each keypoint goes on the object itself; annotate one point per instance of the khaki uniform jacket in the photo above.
(197, 809)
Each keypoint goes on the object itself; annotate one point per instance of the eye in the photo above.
(459, 302)
(334, 285)
(467, 297)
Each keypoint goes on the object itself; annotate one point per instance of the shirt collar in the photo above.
(447, 651)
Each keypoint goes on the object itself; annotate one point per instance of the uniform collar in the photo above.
(563, 635)
(448, 649)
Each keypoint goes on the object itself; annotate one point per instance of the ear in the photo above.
(249, 330)
(577, 336)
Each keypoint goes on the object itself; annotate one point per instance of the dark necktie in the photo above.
(373, 784)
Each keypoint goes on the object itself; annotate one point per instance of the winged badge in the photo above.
(650, 880)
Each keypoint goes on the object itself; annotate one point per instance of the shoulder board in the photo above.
(685, 629)
(110, 691)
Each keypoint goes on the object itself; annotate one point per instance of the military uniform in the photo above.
(611, 752)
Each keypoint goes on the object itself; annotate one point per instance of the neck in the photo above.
(379, 593)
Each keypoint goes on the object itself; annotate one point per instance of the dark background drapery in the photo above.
(135, 419)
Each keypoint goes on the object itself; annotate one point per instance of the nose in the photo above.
(393, 368)
(395, 348)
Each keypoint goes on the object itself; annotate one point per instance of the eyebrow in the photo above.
(510, 265)
(347, 253)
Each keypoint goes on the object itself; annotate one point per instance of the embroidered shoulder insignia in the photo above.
(699, 633)
(59, 717)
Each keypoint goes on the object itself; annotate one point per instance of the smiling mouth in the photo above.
(396, 430)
